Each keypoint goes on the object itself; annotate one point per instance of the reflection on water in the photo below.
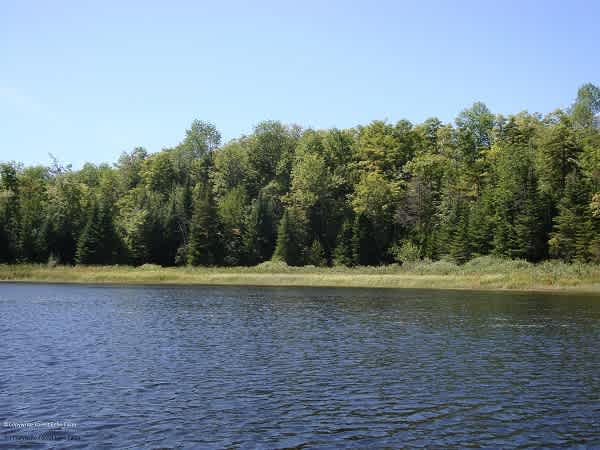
(215, 367)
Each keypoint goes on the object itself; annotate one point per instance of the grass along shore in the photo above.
(480, 273)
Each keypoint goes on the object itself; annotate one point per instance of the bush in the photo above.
(150, 267)
(273, 266)
(493, 264)
(52, 261)
(439, 268)
(406, 252)
(316, 255)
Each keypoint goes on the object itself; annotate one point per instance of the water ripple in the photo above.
(142, 367)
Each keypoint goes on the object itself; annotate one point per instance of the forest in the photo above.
(524, 186)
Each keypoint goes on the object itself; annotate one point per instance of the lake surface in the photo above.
(211, 367)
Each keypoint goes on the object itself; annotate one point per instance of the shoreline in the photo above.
(592, 290)
(532, 278)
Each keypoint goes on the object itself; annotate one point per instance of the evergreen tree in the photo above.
(291, 238)
(481, 226)
(64, 221)
(171, 235)
(137, 238)
(33, 203)
(9, 213)
(232, 213)
(90, 239)
(593, 231)
(204, 246)
(343, 254)
(235, 250)
(568, 239)
(260, 231)
(528, 224)
(559, 149)
(460, 245)
(365, 251)
(99, 242)
(520, 187)
(316, 255)
(586, 241)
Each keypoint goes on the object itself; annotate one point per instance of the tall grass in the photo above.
(481, 273)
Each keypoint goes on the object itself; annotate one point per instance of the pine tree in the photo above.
(568, 240)
(558, 154)
(502, 233)
(9, 214)
(316, 255)
(204, 246)
(584, 237)
(234, 248)
(365, 251)
(89, 241)
(460, 249)
(343, 254)
(137, 237)
(112, 246)
(291, 238)
(481, 231)
(99, 242)
(594, 240)
(528, 242)
(172, 238)
(260, 232)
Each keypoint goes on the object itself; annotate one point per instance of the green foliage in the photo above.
(291, 238)
(232, 211)
(136, 228)
(574, 235)
(460, 245)
(232, 168)
(385, 148)
(316, 255)
(365, 248)
(474, 131)
(99, 242)
(310, 181)
(558, 153)
(375, 197)
(260, 230)
(525, 187)
(158, 172)
(595, 206)
(32, 214)
(9, 213)
(271, 154)
(201, 138)
(344, 254)
(204, 246)
(481, 225)
(406, 252)
(587, 105)
(64, 219)
(516, 195)
(130, 167)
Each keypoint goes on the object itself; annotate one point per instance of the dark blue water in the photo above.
(206, 367)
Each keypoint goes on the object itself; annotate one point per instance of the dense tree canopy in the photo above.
(524, 186)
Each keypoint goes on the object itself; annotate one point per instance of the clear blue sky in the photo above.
(86, 80)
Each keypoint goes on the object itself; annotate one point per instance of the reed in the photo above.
(480, 273)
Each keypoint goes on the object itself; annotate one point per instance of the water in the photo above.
(208, 367)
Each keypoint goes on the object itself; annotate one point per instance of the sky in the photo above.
(86, 81)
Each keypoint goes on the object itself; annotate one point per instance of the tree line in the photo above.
(523, 186)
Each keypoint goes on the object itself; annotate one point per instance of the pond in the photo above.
(228, 367)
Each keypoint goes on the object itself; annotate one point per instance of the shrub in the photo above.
(273, 266)
(150, 267)
(406, 252)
